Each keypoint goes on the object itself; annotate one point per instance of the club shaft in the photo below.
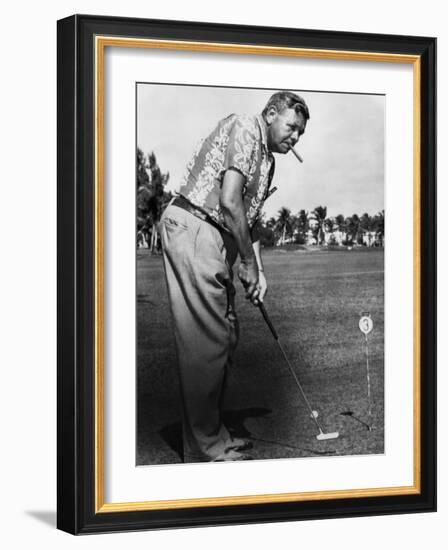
(299, 385)
(268, 321)
(292, 371)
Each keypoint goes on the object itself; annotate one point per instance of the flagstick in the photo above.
(368, 382)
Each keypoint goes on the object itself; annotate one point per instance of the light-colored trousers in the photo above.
(198, 260)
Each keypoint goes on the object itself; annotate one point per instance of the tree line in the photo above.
(315, 228)
(302, 228)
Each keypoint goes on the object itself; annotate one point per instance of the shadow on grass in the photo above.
(234, 420)
(293, 447)
(143, 299)
(172, 435)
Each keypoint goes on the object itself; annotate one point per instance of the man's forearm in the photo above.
(236, 222)
(256, 245)
(234, 213)
(255, 232)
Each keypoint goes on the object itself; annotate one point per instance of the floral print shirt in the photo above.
(239, 143)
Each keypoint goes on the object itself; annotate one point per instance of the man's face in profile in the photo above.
(284, 129)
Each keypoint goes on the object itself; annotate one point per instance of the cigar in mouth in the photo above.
(295, 153)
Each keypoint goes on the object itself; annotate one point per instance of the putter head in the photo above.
(323, 437)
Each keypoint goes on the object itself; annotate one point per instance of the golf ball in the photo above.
(315, 414)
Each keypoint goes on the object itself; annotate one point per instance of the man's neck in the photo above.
(265, 129)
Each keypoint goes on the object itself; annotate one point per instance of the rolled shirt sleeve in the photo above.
(239, 143)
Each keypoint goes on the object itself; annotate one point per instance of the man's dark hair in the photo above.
(287, 100)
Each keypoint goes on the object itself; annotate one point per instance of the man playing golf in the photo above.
(204, 229)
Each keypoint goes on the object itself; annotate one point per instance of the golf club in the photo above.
(321, 435)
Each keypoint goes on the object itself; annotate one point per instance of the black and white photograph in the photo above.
(220, 253)
(260, 238)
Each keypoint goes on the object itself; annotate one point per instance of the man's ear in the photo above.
(271, 115)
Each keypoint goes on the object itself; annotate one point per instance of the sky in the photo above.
(342, 148)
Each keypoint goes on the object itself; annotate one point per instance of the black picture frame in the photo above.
(77, 509)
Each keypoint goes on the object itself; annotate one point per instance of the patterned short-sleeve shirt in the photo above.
(239, 143)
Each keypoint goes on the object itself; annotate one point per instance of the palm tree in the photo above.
(151, 195)
(328, 227)
(378, 227)
(365, 222)
(319, 214)
(340, 222)
(283, 223)
(300, 226)
(341, 228)
(366, 225)
(142, 166)
(266, 231)
(354, 233)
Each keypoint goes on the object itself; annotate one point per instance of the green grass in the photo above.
(314, 301)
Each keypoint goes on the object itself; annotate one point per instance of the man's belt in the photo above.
(181, 202)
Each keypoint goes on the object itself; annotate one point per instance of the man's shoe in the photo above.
(239, 444)
(230, 455)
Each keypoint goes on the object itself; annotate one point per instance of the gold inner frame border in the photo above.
(101, 42)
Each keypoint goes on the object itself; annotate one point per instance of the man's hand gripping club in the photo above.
(249, 276)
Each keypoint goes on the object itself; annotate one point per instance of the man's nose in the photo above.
(295, 136)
